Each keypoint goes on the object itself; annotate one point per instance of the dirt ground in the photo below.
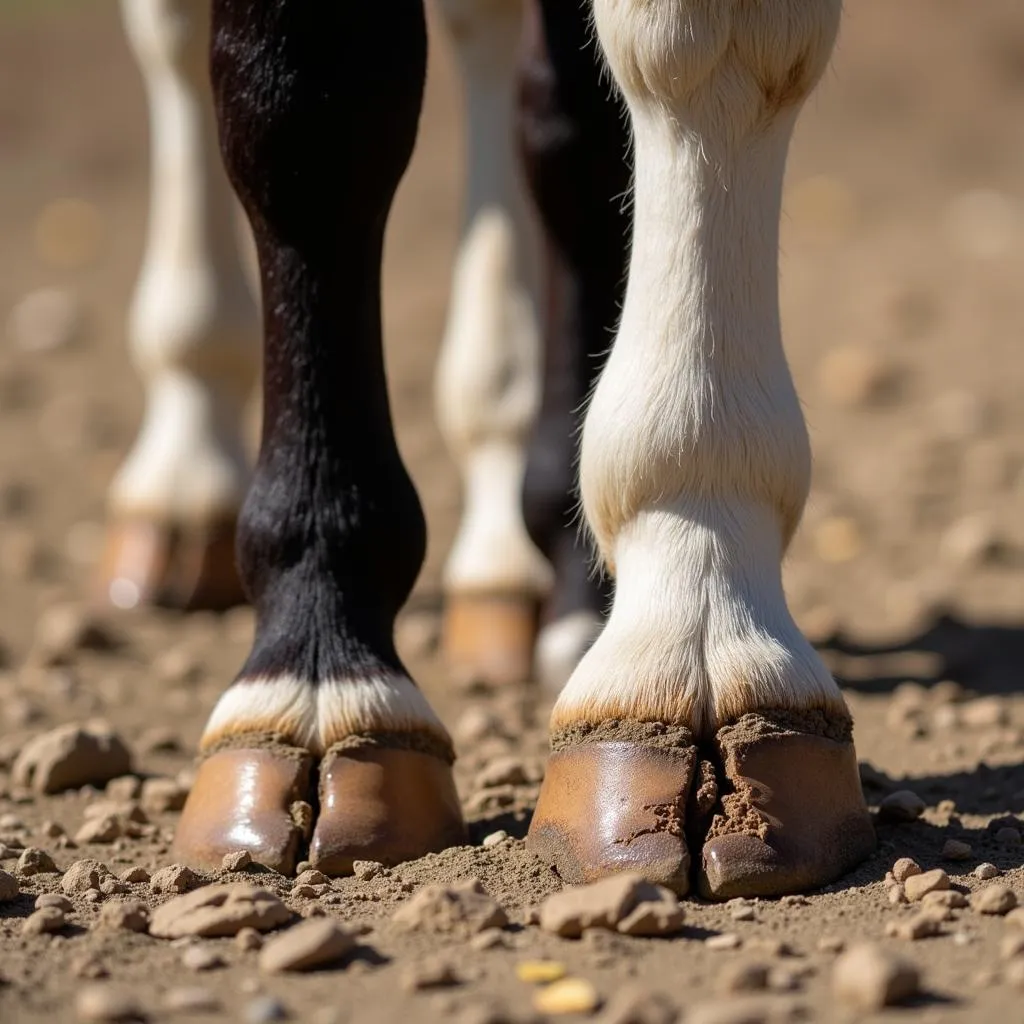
(902, 272)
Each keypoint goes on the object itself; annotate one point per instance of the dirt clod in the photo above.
(174, 878)
(127, 915)
(71, 756)
(461, 908)
(626, 903)
(219, 910)
(34, 861)
(83, 875)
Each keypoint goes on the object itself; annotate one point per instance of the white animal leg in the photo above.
(487, 386)
(695, 469)
(194, 339)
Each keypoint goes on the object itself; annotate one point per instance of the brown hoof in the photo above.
(184, 567)
(607, 807)
(244, 800)
(796, 818)
(489, 638)
(383, 804)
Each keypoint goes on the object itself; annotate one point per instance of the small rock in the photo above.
(54, 899)
(920, 926)
(100, 830)
(495, 838)
(239, 860)
(986, 871)
(162, 795)
(723, 943)
(432, 972)
(129, 915)
(904, 868)
(1008, 836)
(570, 995)
(219, 910)
(869, 977)
(135, 876)
(248, 940)
(105, 1002)
(44, 921)
(993, 899)
(71, 756)
(463, 907)
(365, 870)
(955, 849)
(901, 806)
(191, 1000)
(83, 875)
(201, 958)
(312, 877)
(34, 861)
(112, 886)
(929, 881)
(175, 878)
(264, 1010)
(310, 944)
(626, 903)
(637, 1005)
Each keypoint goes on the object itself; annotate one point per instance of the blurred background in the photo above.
(902, 273)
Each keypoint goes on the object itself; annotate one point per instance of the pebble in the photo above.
(929, 881)
(955, 849)
(310, 944)
(463, 908)
(264, 1010)
(312, 877)
(106, 1002)
(191, 1000)
(135, 876)
(540, 972)
(431, 972)
(43, 921)
(901, 806)
(219, 910)
(174, 878)
(201, 958)
(569, 995)
(127, 915)
(239, 860)
(8, 887)
(993, 899)
(724, 942)
(100, 830)
(83, 875)
(904, 868)
(495, 838)
(986, 871)
(69, 757)
(626, 903)
(868, 977)
(34, 861)
(1008, 836)
(54, 899)
(45, 320)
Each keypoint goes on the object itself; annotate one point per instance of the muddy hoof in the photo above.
(383, 804)
(610, 806)
(796, 818)
(184, 567)
(245, 800)
(489, 638)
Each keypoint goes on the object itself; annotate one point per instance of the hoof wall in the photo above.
(386, 805)
(489, 638)
(244, 800)
(188, 568)
(796, 818)
(607, 807)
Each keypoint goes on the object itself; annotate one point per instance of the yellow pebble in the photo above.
(540, 972)
(570, 995)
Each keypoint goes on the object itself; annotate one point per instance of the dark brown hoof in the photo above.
(796, 818)
(185, 567)
(611, 806)
(489, 638)
(383, 804)
(250, 800)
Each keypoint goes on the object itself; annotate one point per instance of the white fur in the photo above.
(314, 717)
(561, 644)
(193, 327)
(488, 377)
(695, 463)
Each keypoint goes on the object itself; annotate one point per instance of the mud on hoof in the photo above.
(614, 799)
(488, 637)
(795, 818)
(774, 804)
(388, 798)
(190, 568)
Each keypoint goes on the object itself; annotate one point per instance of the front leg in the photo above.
(317, 107)
(701, 716)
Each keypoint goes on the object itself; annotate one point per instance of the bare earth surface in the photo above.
(903, 304)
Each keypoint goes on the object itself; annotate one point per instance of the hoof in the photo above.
(611, 806)
(796, 817)
(184, 567)
(245, 800)
(383, 804)
(488, 638)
